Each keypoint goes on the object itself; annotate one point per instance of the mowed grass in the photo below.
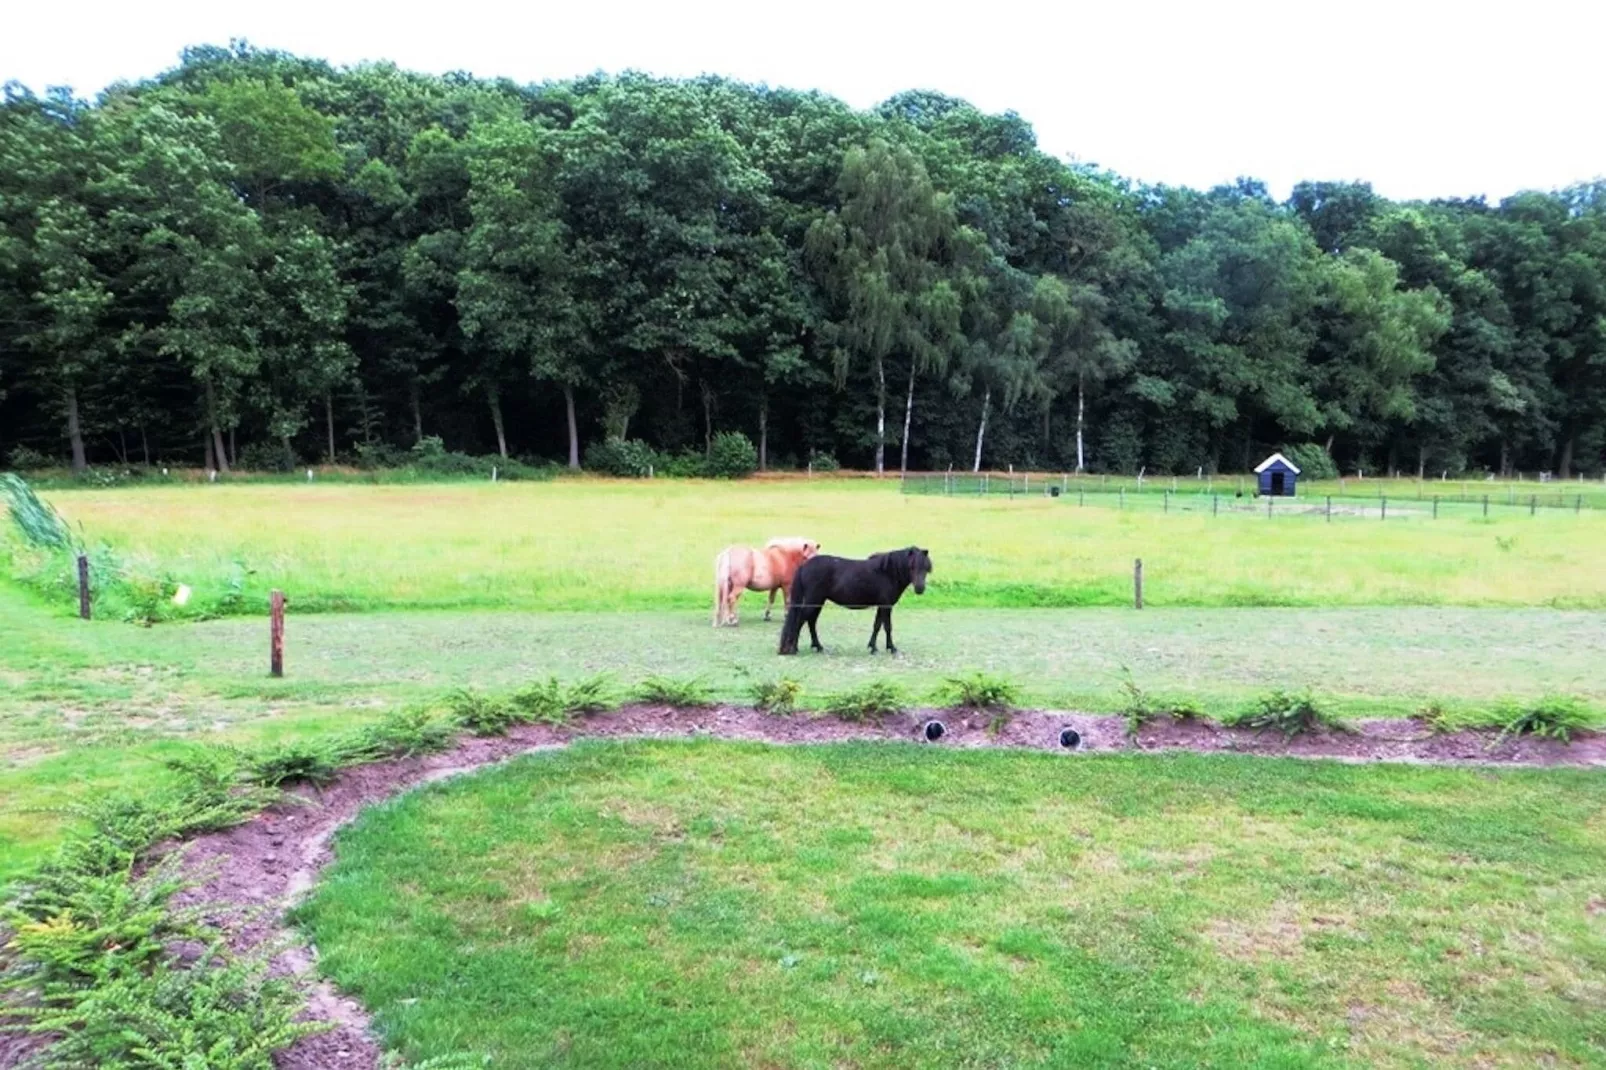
(87, 708)
(721, 905)
(596, 544)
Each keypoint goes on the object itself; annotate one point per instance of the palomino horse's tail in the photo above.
(722, 582)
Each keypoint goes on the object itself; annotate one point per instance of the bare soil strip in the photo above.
(251, 874)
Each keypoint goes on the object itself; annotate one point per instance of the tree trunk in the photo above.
(122, 446)
(908, 415)
(289, 454)
(329, 422)
(574, 427)
(206, 448)
(1565, 468)
(1421, 462)
(220, 457)
(1505, 460)
(1081, 409)
(880, 417)
(75, 433)
(496, 419)
(763, 433)
(418, 412)
(145, 445)
(234, 448)
(708, 418)
(981, 428)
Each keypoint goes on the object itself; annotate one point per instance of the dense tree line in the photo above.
(257, 259)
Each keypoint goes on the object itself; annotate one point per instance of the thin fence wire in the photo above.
(1233, 497)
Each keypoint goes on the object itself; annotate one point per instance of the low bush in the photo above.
(777, 696)
(402, 734)
(481, 714)
(1139, 707)
(301, 762)
(1312, 460)
(549, 701)
(687, 464)
(731, 455)
(129, 979)
(820, 461)
(631, 458)
(668, 691)
(25, 459)
(872, 703)
(1552, 717)
(979, 691)
(1290, 714)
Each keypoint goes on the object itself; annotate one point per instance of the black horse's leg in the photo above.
(890, 648)
(875, 629)
(814, 636)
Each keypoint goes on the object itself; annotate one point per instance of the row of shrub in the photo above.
(731, 455)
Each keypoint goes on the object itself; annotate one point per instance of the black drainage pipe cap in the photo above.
(934, 730)
(1070, 738)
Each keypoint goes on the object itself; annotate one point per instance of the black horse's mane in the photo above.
(895, 563)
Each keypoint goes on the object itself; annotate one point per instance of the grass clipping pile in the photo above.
(156, 936)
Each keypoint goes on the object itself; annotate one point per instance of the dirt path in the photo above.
(253, 873)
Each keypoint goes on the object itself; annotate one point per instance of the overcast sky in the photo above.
(1423, 98)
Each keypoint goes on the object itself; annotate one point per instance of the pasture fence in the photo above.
(1238, 496)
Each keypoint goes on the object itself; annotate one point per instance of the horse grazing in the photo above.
(878, 581)
(740, 568)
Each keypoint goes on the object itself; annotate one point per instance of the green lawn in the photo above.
(711, 904)
(86, 707)
(592, 544)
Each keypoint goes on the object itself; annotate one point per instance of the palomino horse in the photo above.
(740, 568)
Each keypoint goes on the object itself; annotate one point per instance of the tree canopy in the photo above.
(256, 258)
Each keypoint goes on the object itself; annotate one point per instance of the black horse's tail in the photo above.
(791, 627)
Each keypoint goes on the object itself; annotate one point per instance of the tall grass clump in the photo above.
(38, 523)
(872, 703)
(1291, 714)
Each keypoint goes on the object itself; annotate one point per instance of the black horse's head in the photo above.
(911, 565)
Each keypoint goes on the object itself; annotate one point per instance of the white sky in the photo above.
(1423, 98)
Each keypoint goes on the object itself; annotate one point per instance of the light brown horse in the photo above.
(739, 568)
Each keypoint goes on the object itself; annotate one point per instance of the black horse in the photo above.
(878, 581)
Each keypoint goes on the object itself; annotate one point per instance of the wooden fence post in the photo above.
(1485, 505)
(1329, 508)
(1383, 507)
(83, 586)
(276, 633)
(1215, 504)
(1533, 505)
(1137, 583)
(1435, 507)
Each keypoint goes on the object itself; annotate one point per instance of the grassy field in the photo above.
(89, 707)
(588, 544)
(708, 904)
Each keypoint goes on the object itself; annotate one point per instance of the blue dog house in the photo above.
(1277, 476)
